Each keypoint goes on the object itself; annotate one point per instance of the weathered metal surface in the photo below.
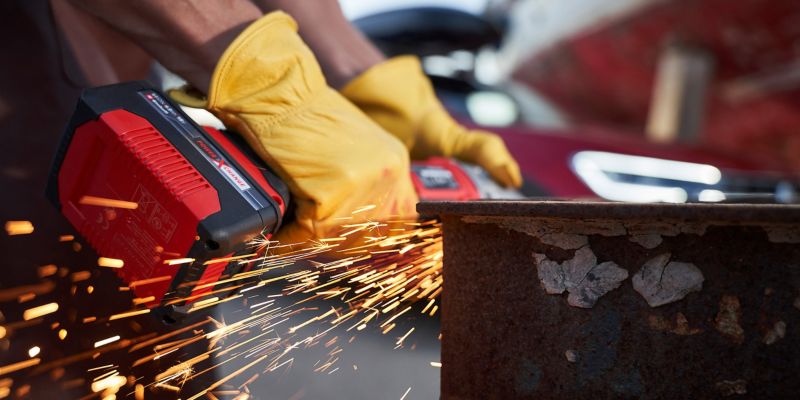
(607, 300)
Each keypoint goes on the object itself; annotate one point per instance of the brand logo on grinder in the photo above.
(211, 153)
(226, 169)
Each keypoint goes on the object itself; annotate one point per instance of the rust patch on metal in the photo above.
(727, 321)
(572, 355)
(680, 327)
(777, 332)
(729, 388)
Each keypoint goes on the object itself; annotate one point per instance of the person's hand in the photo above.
(268, 87)
(399, 97)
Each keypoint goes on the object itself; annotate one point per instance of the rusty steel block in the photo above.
(607, 300)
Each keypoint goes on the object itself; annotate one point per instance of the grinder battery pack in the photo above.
(200, 195)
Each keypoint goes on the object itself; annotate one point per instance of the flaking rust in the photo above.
(662, 282)
(727, 321)
(584, 279)
(679, 327)
(568, 300)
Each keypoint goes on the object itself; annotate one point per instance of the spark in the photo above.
(159, 355)
(80, 276)
(37, 312)
(149, 281)
(106, 341)
(428, 306)
(215, 302)
(179, 261)
(47, 270)
(436, 364)
(261, 304)
(365, 208)
(143, 300)
(260, 284)
(62, 334)
(139, 392)
(97, 201)
(19, 227)
(395, 316)
(66, 238)
(377, 277)
(406, 393)
(405, 336)
(110, 382)
(110, 262)
(25, 297)
(167, 335)
(100, 367)
(18, 366)
(34, 351)
(128, 314)
(226, 259)
(105, 375)
(292, 330)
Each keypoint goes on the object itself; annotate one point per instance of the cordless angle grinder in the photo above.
(198, 194)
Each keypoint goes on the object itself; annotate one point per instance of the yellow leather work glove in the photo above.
(269, 87)
(400, 98)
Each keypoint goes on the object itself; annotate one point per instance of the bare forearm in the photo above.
(186, 36)
(342, 51)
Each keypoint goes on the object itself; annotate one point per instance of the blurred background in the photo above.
(595, 98)
(630, 100)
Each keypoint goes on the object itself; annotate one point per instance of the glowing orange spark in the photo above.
(110, 262)
(19, 227)
(128, 314)
(97, 201)
(106, 341)
(37, 312)
(18, 366)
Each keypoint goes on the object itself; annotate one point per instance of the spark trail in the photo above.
(373, 283)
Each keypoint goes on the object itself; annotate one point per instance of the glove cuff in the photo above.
(398, 96)
(370, 81)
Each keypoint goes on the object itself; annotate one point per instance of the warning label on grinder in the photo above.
(155, 215)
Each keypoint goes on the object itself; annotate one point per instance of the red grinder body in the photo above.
(201, 194)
